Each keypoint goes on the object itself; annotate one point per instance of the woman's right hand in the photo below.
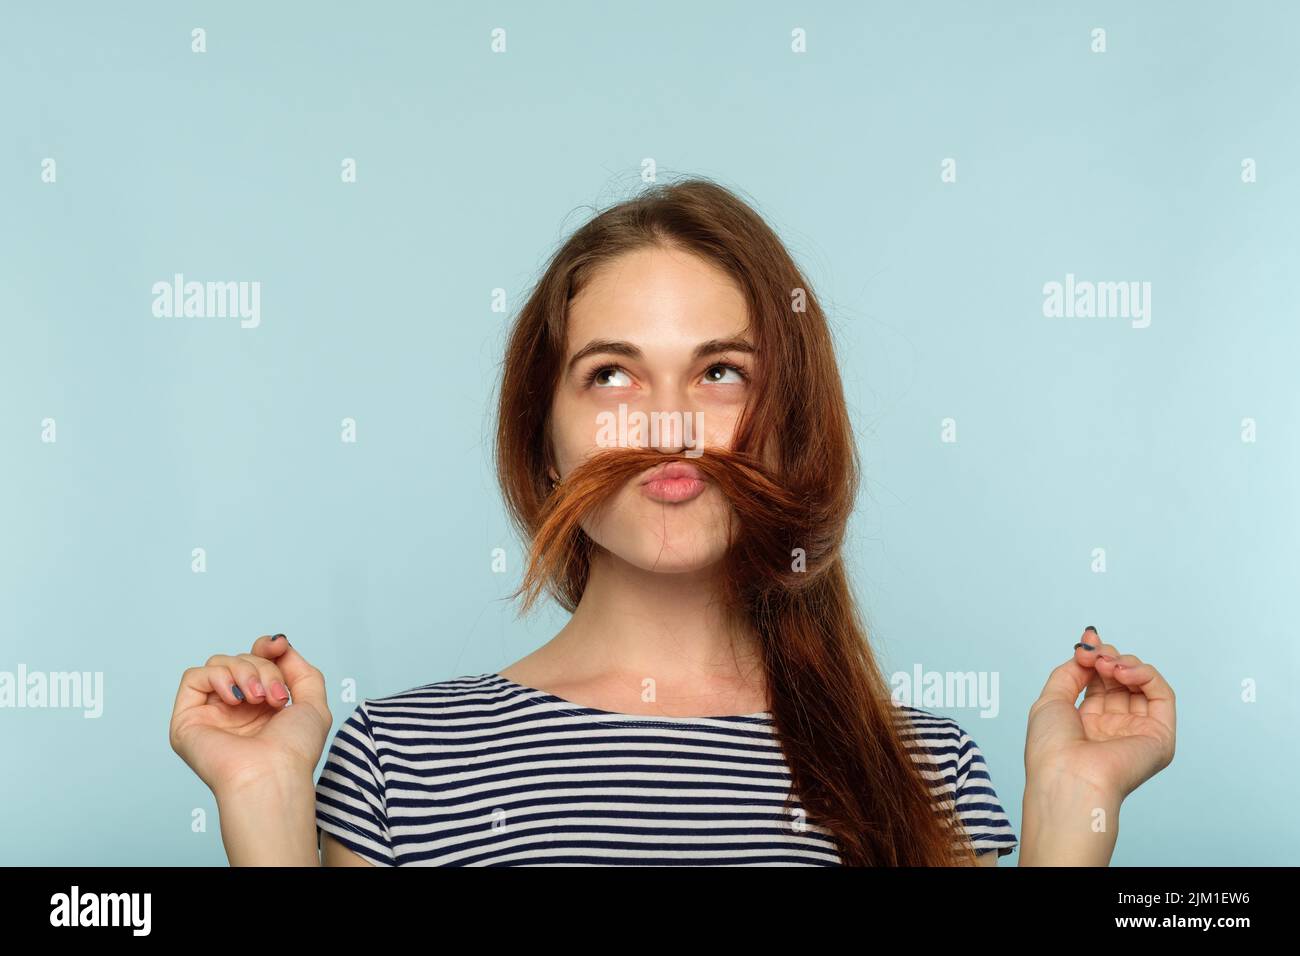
(232, 742)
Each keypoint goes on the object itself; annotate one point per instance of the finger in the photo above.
(245, 675)
(275, 688)
(189, 695)
(1116, 701)
(1066, 681)
(1146, 680)
(306, 683)
(1094, 697)
(1108, 653)
(199, 683)
(1089, 641)
(1137, 703)
(270, 646)
(265, 641)
(1085, 654)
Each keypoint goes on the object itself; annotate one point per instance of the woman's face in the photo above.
(656, 332)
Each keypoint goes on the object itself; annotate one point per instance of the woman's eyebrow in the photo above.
(714, 346)
(612, 347)
(603, 347)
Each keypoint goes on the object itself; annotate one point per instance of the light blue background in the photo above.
(374, 557)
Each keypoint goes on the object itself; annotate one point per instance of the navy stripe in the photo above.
(483, 771)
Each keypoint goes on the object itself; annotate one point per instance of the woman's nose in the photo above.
(669, 427)
(680, 429)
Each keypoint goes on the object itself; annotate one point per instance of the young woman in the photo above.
(713, 698)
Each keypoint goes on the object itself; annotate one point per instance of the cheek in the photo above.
(578, 430)
(720, 424)
(718, 429)
(571, 435)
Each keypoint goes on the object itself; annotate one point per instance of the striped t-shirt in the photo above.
(483, 771)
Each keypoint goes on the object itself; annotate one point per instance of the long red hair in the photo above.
(791, 477)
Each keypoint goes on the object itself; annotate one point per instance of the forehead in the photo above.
(656, 296)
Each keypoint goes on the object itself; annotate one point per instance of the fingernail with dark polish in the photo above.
(234, 689)
(1091, 628)
(1086, 647)
(278, 636)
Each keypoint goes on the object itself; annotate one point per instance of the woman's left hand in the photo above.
(1120, 736)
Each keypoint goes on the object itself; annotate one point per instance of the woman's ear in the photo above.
(548, 456)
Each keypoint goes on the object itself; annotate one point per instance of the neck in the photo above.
(632, 624)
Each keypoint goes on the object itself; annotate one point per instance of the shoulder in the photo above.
(424, 704)
(940, 742)
(451, 701)
(958, 771)
(445, 697)
(383, 732)
(467, 687)
(930, 735)
(396, 737)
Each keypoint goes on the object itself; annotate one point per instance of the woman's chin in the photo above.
(673, 560)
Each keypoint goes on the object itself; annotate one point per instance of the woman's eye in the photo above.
(600, 377)
(612, 376)
(716, 372)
